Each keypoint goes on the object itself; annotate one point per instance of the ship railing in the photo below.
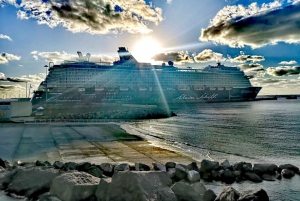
(76, 121)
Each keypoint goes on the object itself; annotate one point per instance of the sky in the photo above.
(260, 37)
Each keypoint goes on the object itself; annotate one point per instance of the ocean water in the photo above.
(256, 132)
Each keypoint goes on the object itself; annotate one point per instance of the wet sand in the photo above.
(95, 143)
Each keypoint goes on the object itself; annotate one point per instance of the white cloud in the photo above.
(176, 57)
(93, 16)
(169, 1)
(6, 57)
(254, 26)
(5, 37)
(208, 55)
(292, 62)
(245, 58)
(283, 70)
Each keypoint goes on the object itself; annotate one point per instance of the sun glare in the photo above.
(146, 49)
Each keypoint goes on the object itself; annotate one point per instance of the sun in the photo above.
(145, 49)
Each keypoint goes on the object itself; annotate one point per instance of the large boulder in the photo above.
(208, 166)
(141, 167)
(107, 168)
(287, 173)
(261, 169)
(268, 177)
(2, 169)
(227, 176)
(184, 191)
(142, 186)
(180, 172)
(193, 176)
(2, 163)
(83, 167)
(192, 166)
(69, 166)
(32, 182)
(225, 164)
(254, 195)
(102, 189)
(253, 177)
(42, 163)
(122, 167)
(243, 167)
(48, 197)
(228, 194)
(7, 177)
(170, 165)
(199, 187)
(159, 167)
(289, 167)
(74, 186)
(216, 175)
(209, 195)
(95, 171)
(58, 165)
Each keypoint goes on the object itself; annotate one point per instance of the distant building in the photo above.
(14, 108)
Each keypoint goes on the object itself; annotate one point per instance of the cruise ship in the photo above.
(129, 81)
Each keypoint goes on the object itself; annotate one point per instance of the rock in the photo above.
(247, 167)
(261, 169)
(102, 189)
(193, 176)
(216, 175)
(170, 165)
(32, 182)
(141, 167)
(243, 167)
(83, 167)
(268, 177)
(171, 172)
(122, 167)
(225, 164)
(158, 166)
(227, 177)
(42, 163)
(287, 173)
(7, 177)
(278, 176)
(199, 187)
(74, 186)
(58, 165)
(8, 165)
(107, 168)
(254, 195)
(95, 171)
(180, 172)
(253, 177)
(48, 197)
(208, 166)
(141, 186)
(209, 195)
(184, 191)
(69, 166)
(206, 176)
(289, 167)
(192, 166)
(2, 169)
(2, 163)
(228, 194)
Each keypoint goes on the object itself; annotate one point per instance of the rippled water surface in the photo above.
(260, 131)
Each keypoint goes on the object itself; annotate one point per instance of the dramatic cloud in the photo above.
(244, 58)
(293, 62)
(5, 36)
(93, 16)
(5, 57)
(252, 68)
(283, 70)
(254, 26)
(58, 57)
(177, 57)
(24, 78)
(208, 55)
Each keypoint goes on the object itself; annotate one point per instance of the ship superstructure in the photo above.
(129, 81)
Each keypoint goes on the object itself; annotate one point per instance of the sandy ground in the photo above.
(95, 143)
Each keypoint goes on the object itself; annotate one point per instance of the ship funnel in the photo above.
(80, 55)
(88, 56)
(125, 55)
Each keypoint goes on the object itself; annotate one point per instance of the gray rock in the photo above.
(32, 182)
(247, 167)
(170, 165)
(184, 191)
(289, 167)
(58, 165)
(208, 166)
(2, 163)
(102, 189)
(216, 175)
(243, 167)
(95, 171)
(228, 177)
(268, 177)
(141, 167)
(74, 186)
(254, 195)
(199, 187)
(83, 167)
(206, 176)
(225, 164)
(209, 195)
(42, 163)
(287, 173)
(107, 168)
(2, 169)
(192, 166)
(228, 194)
(278, 176)
(158, 166)
(261, 169)
(69, 166)
(8, 165)
(122, 167)
(48, 197)
(180, 172)
(142, 186)
(193, 176)
(171, 172)
(253, 177)
(7, 177)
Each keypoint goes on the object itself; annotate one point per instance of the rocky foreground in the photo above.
(170, 182)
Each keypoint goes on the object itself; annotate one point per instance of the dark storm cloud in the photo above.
(178, 57)
(251, 67)
(254, 26)
(283, 70)
(245, 58)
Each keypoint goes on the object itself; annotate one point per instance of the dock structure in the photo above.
(15, 108)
